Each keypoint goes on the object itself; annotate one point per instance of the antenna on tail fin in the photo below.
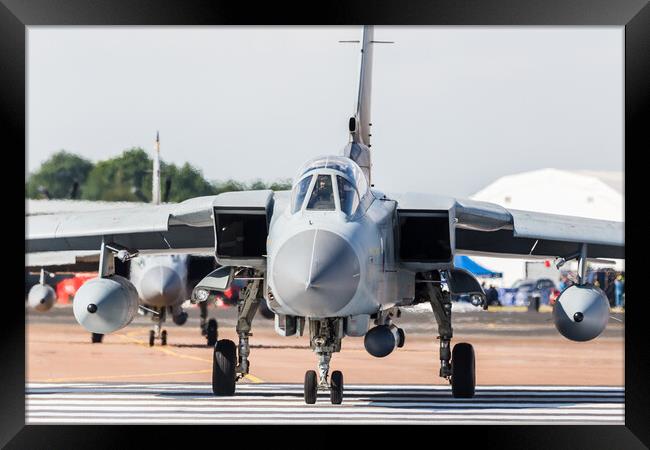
(359, 126)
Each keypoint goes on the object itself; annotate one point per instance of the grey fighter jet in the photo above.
(336, 255)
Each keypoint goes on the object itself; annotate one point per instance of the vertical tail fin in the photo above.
(359, 148)
(155, 180)
(361, 133)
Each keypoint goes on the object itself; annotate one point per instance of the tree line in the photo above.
(127, 177)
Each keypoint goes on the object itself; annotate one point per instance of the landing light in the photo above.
(202, 295)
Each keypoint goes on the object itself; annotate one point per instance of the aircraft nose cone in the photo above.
(160, 286)
(316, 273)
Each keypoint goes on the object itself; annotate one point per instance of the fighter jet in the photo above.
(336, 255)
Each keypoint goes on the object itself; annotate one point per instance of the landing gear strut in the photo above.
(457, 366)
(230, 362)
(325, 339)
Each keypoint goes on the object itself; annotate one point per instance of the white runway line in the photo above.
(193, 403)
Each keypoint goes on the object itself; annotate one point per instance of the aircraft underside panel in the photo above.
(504, 243)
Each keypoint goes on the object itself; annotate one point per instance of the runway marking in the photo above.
(253, 378)
(283, 403)
(129, 336)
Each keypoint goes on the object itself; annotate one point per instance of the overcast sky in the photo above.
(453, 108)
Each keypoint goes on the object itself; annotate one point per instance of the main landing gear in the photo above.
(230, 362)
(325, 339)
(209, 328)
(457, 366)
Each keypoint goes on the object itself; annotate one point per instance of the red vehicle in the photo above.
(66, 289)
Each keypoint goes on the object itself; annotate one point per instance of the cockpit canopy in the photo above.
(318, 181)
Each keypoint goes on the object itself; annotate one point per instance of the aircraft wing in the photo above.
(151, 229)
(489, 229)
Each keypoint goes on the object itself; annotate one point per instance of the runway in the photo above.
(193, 403)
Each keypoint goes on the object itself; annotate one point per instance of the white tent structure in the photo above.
(596, 195)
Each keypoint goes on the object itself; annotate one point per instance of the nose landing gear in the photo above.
(326, 336)
(158, 333)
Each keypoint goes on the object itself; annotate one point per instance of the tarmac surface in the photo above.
(526, 373)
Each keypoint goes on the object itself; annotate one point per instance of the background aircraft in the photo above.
(163, 282)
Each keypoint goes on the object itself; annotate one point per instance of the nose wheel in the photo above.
(312, 386)
(336, 387)
(162, 335)
(325, 339)
(157, 332)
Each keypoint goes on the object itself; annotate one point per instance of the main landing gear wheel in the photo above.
(336, 387)
(224, 363)
(211, 332)
(463, 371)
(152, 337)
(163, 337)
(311, 387)
(97, 338)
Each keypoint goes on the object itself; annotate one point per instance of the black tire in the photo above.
(311, 387)
(163, 337)
(336, 387)
(402, 338)
(212, 332)
(224, 363)
(152, 338)
(96, 338)
(463, 371)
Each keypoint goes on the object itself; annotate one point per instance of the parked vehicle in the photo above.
(522, 291)
(67, 288)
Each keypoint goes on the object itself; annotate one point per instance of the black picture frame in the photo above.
(16, 15)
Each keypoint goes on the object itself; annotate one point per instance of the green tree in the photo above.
(257, 185)
(228, 186)
(186, 182)
(126, 177)
(280, 185)
(57, 176)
